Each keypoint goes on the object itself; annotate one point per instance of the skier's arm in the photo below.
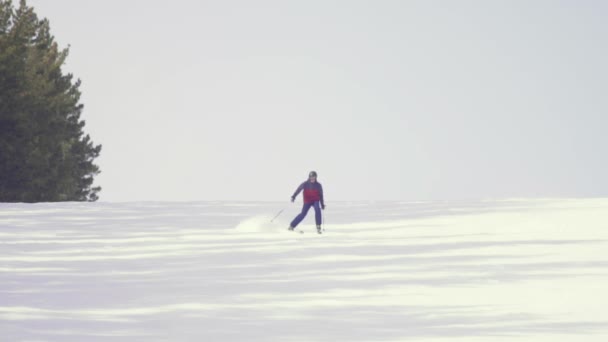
(295, 194)
(321, 196)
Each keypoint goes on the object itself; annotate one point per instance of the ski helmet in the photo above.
(312, 174)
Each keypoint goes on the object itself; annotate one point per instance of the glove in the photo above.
(293, 199)
(323, 206)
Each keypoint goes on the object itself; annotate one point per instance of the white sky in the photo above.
(412, 100)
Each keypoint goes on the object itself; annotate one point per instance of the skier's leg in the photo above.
(300, 216)
(317, 213)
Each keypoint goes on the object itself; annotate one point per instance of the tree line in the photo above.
(45, 156)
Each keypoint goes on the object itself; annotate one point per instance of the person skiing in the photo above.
(313, 197)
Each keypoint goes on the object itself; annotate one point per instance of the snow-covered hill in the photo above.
(516, 270)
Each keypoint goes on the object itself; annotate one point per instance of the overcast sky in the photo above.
(386, 100)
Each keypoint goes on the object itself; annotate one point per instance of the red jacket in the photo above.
(313, 192)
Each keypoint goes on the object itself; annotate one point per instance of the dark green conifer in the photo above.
(44, 153)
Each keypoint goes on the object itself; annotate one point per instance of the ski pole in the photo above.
(323, 219)
(277, 215)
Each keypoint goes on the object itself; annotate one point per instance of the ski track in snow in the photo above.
(511, 270)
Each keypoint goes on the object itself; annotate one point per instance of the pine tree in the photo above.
(44, 153)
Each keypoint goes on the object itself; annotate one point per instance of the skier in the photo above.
(313, 197)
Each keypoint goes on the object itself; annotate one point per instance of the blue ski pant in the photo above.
(305, 210)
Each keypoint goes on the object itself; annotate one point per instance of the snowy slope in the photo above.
(210, 271)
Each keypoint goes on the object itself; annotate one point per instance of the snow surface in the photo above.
(513, 270)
